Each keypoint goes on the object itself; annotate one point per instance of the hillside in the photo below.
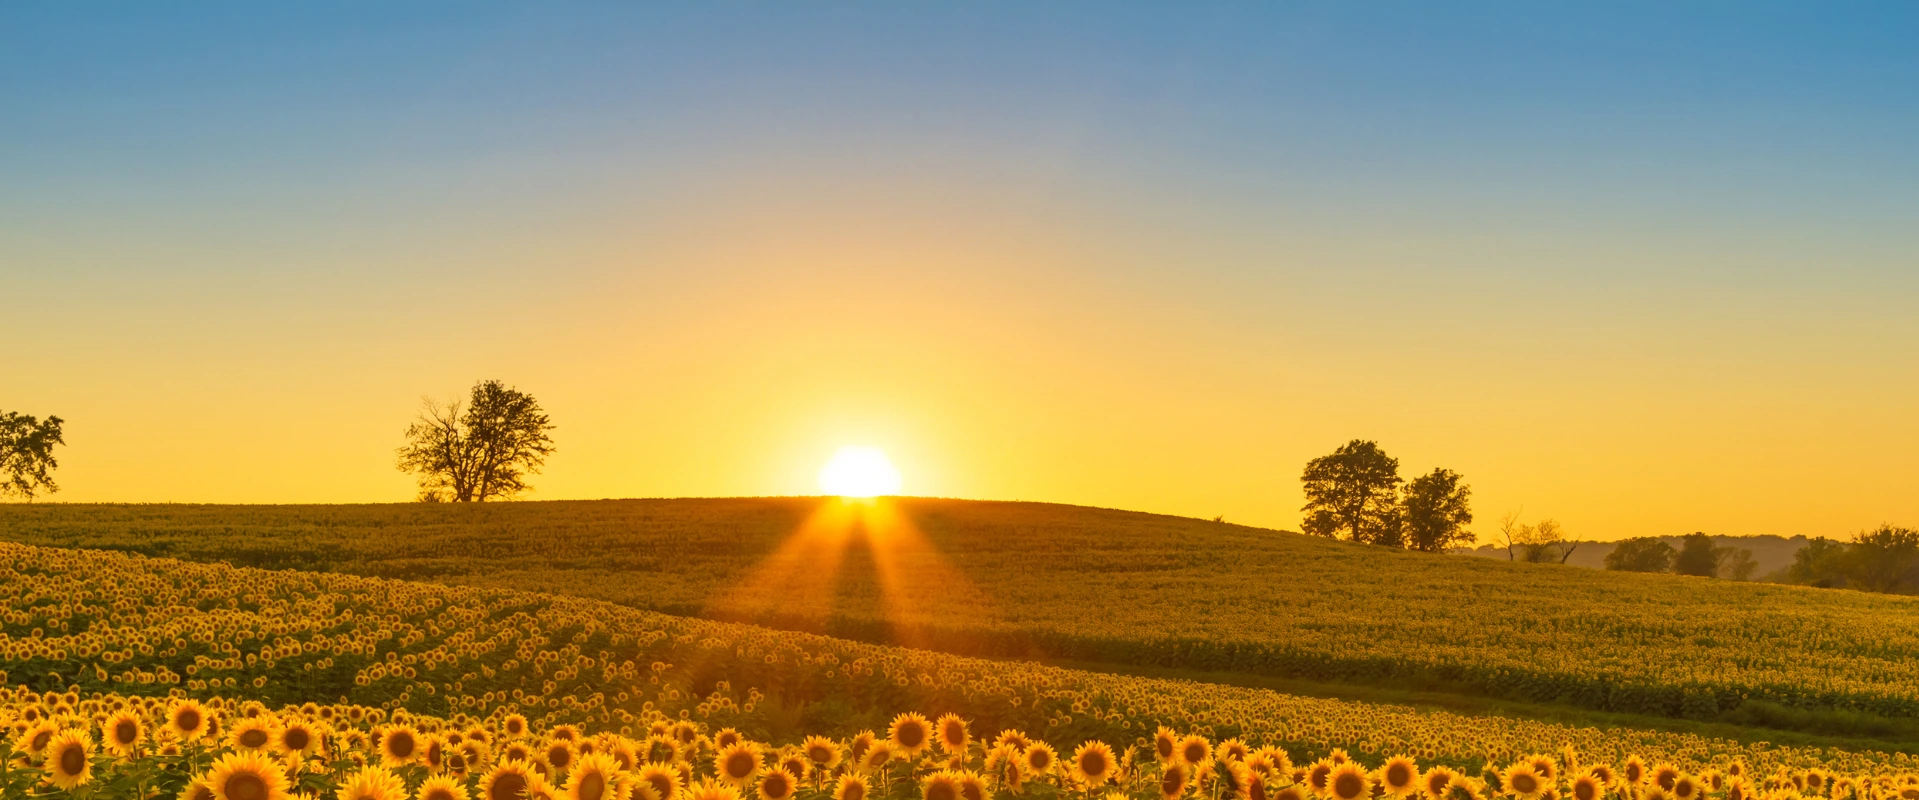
(1769, 553)
(1107, 587)
(87, 623)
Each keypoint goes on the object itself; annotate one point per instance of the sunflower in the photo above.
(1039, 759)
(736, 764)
(776, 784)
(1165, 743)
(1172, 781)
(1348, 781)
(664, 779)
(1231, 777)
(1194, 750)
(1604, 774)
(1256, 788)
(298, 736)
(70, 759)
(510, 780)
(1270, 760)
(399, 745)
(441, 787)
(558, 755)
(252, 733)
(592, 778)
(909, 734)
(514, 726)
(1012, 775)
(1433, 784)
(876, 757)
(34, 740)
(373, 783)
(1522, 780)
(197, 790)
(972, 786)
(1686, 787)
(187, 720)
(1294, 792)
(1015, 738)
(1320, 775)
(518, 751)
(794, 764)
(708, 789)
(823, 752)
(123, 732)
(1094, 764)
(1544, 767)
(856, 749)
(247, 776)
(1738, 789)
(1232, 750)
(726, 737)
(1634, 771)
(1587, 787)
(1399, 776)
(1664, 775)
(851, 787)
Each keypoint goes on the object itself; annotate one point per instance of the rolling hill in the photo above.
(1121, 590)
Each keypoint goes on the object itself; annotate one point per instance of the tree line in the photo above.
(1696, 555)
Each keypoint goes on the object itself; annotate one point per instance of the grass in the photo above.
(1137, 591)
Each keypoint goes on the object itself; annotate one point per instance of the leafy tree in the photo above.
(1697, 556)
(26, 454)
(1353, 493)
(1736, 563)
(1541, 543)
(1435, 512)
(480, 452)
(1822, 562)
(1884, 560)
(1641, 554)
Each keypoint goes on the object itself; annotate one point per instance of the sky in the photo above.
(1642, 268)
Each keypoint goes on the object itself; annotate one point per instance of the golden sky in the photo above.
(1131, 264)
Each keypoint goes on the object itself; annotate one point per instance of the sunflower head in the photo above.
(823, 752)
(1165, 745)
(972, 786)
(188, 720)
(941, 785)
(1587, 787)
(441, 787)
(399, 745)
(69, 759)
(123, 732)
(1399, 776)
(1348, 781)
(1173, 779)
(710, 790)
(910, 733)
(510, 780)
(1039, 759)
(247, 776)
(593, 778)
(252, 733)
(1094, 764)
(1194, 750)
(737, 764)
(1522, 780)
(851, 787)
(776, 784)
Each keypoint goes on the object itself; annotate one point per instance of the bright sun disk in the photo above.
(859, 472)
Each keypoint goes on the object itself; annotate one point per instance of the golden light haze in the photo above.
(996, 341)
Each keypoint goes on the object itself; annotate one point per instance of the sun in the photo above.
(859, 472)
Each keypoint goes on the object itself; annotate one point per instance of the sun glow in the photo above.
(859, 472)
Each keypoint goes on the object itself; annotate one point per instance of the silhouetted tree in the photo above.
(1436, 511)
(1641, 554)
(1540, 543)
(1735, 562)
(26, 454)
(1885, 559)
(1820, 563)
(480, 452)
(1697, 556)
(1353, 493)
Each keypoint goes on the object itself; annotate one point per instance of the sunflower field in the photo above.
(142, 677)
(1013, 580)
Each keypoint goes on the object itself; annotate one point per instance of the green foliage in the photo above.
(1697, 557)
(481, 453)
(1885, 559)
(1641, 554)
(1353, 494)
(1436, 511)
(26, 454)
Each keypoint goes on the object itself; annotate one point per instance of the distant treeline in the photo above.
(1885, 559)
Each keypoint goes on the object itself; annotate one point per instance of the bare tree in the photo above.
(479, 452)
(1541, 543)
